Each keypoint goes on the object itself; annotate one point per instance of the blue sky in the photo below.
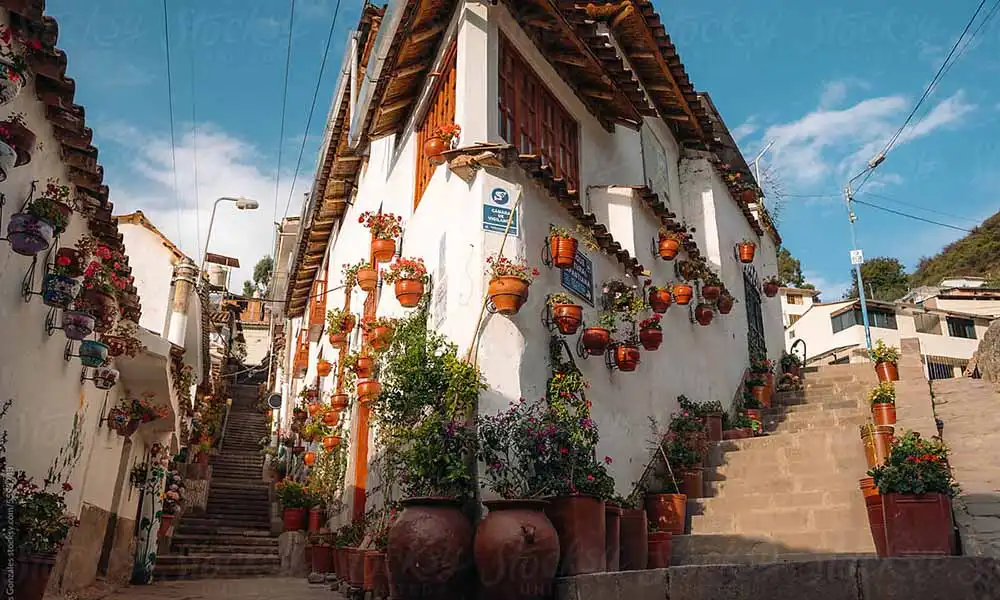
(828, 83)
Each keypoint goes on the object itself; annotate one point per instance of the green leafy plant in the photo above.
(882, 353)
(560, 298)
(501, 266)
(607, 319)
(789, 360)
(749, 400)
(41, 519)
(884, 393)
(292, 494)
(562, 232)
(915, 466)
(753, 382)
(741, 421)
(760, 365)
(340, 321)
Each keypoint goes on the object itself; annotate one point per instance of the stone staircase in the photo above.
(792, 494)
(233, 538)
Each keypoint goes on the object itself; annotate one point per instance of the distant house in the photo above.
(964, 294)
(795, 302)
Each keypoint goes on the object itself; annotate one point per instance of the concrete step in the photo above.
(841, 482)
(254, 538)
(194, 549)
(215, 521)
(801, 521)
(210, 571)
(254, 559)
(223, 483)
(222, 530)
(751, 502)
(736, 549)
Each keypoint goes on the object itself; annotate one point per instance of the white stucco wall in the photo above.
(989, 308)
(788, 309)
(153, 267)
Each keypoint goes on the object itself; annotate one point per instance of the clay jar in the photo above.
(634, 545)
(383, 250)
(887, 371)
(884, 413)
(563, 251)
(516, 551)
(612, 537)
(508, 294)
(430, 551)
(567, 317)
(579, 520)
(667, 512)
(409, 292)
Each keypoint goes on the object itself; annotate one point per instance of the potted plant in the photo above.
(359, 365)
(711, 287)
(13, 64)
(725, 302)
(771, 287)
(409, 276)
(368, 390)
(101, 286)
(885, 359)
(40, 522)
(566, 314)
(32, 230)
(597, 339)
(16, 144)
(752, 407)
(627, 357)
(364, 274)
(330, 442)
(746, 250)
(295, 502)
(93, 353)
(703, 314)
(763, 368)
(509, 282)
(666, 506)
(758, 389)
(883, 403)
(791, 364)
(711, 414)
(173, 503)
(916, 488)
(562, 247)
(339, 324)
(324, 367)
(386, 228)
(123, 339)
(145, 408)
(741, 427)
(56, 205)
(659, 298)
(439, 142)
(379, 331)
(690, 270)
(670, 243)
(516, 531)
(121, 420)
(682, 293)
(71, 261)
(651, 332)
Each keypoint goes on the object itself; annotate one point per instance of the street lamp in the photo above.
(242, 204)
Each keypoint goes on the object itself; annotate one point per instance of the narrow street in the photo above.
(278, 588)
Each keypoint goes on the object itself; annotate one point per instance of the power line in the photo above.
(918, 207)
(284, 104)
(312, 108)
(194, 137)
(170, 107)
(909, 216)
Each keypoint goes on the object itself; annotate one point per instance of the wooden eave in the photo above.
(605, 88)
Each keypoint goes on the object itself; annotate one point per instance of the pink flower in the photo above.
(607, 460)
(590, 477)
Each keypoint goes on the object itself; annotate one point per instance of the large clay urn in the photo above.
(31, 576)
(430, 551)
(579, 520)
(516, 551)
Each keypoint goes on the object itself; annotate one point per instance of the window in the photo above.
(533, 120)
(793, 318)
(795, 299)
(876, 318)
(926, 323)
(441, 112)
(940, 371)
(961, 328)
(843, 321)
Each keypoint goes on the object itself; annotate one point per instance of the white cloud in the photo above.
(227, 166)
(832, 290)
(834, 93)
(747, 128)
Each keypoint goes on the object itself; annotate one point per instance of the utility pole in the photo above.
(857, 259)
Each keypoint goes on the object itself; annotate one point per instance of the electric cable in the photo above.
(281, 131)
(170, 110)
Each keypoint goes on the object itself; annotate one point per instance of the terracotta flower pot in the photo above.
(379, 337)
(711, 292)
(104, 307)
(430, 551)
(383, 250)
(433, 148)
(321, 558)
(771, 289)
(339, 402)
(737, 434)
(887, 371)
(868, 443)
(713, 427)
(330, 442)
(368, 279)
(579, 520)
(883, 442)
(627, 357)
(917, 525)
(748, 196)
(314, 409)
(567, 317)
(703, 313)
(746, 251)
(725, 305)
(368, 390)
(309, 459)
(660, 300)
(596, 340)
(683, 293)
(331, 417)
(884, 414)
(508, 294)
(634, 546)
(166, 525)
(409, 292)
(375, 564)
(668, 248)
(295, 519)
(694, 483)
(364, 367)
(876, 518)
(563, 250)
(612, 538)
(323, 368)
(659, 549)
(31, 576)
(651, 338)
(356, 567)
(760, 393)
(516, 551)
(667, 511)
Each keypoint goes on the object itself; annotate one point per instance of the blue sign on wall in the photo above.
(579, 278)
(496, 212)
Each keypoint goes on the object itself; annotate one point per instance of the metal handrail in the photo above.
(796, 343)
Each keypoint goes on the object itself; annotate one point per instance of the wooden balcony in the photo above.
(301, 362)
(317, 310)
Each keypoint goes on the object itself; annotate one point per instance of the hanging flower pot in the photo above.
(383, 250)
(410, 277)
(683, 293)
(93, 353)
(670, 244)
(16, 134)
(58, 290)
(434, 146)
(105, 378)
(651, 333)
(323, 368)
(8, 159)
(309, 458)
(340, 323)
(70, 260)
(363, 368)
(330, 442)
(509, 282)
(436, 530)
(659, 299)
(703, 314)
(596, 340)
(368, 390)
(103, 306)
(117, 345)
(746, 250)
(331, 417)
(711, 292)
(314, 408)
(367, 279)
(627, 357)
(77, 324)
(514, 534)
(386, 228)
(771, 287)
(28, 234)
(409, 292)
(379, 337)
(724, 304)
(566, 314)
(562, 247)
(339, 402)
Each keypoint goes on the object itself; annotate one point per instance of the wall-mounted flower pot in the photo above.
(28, 234)
(77, 324)
(634, 554)
(437, 529)
(294, 519)
(725, 305)
(324, 368)
(58, 290)
(338, 338)
(683, 293)
(331, 417)
(409, 292)
(330, 442)
(105, 378)
(309, 459)
(514, 534)
(363, 369)
(71, 260)
(579, 520)
(368, 390)
(651, 338)
(11, 83)
(771, 289)
(32, 573)
(434, 147)
(383, 250)
(659, 549)
(667, 511)
(703, 313)
(563, 251)
(627, 357)
(314, 408)
(668, 248)
(711, 293)
(379, 337)
(884, 414)
(117, 345)
(917, 525)
(338, 402)
(368, 279)
(65, 210)
(887, 371)
(660, 300)
(876, 516)
(104, 307)
(567, 317)
(596, 340)
(8, 160)
(612, 538)
(22, 141)
(508, 294)
(748, 196)
(746, 251)
(93, 353)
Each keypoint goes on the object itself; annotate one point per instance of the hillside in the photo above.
(977, 255)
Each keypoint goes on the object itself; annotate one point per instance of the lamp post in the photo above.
(242, 204)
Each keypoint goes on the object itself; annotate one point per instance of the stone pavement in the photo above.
(229, 589)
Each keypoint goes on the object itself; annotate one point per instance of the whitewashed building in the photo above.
(611, 136)
(795, 302)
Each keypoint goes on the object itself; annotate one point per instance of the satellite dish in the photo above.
(274, 401)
